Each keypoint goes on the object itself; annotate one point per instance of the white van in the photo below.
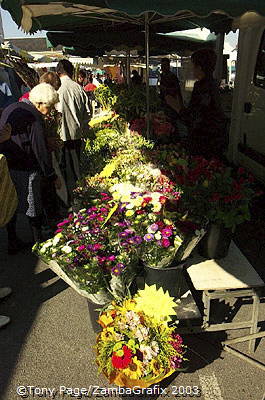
(247, 130)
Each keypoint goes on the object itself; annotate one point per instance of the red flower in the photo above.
(162, 199)
(241, 171)
(123, 361)
(165, 243)
(147, 199)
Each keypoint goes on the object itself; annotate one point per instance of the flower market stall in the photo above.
(141, 208)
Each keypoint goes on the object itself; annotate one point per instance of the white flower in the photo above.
(155, 346)
(85, 228)
(56, 239)
(130, 206)
(156, 172)
(67, 249)
(158, 235)
(46, 246)
(141, 333)
(148, 352)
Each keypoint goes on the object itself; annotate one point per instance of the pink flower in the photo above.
(97, 246)
(66, 221)
(111, 258)
(166, 232)
(165, 243)
(58, 231)
(81, 248)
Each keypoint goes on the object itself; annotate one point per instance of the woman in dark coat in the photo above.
(28, 158)
(204, 116)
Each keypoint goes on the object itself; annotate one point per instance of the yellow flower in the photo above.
(205, 183)
(116, 196)
(138, 201)
(125, 198)
(168, 222)
(105, 320)
(129, 213)
(127, 305)
(156, 207)
(156, 304)
(134, 369)
(155, 367)
(107, 333)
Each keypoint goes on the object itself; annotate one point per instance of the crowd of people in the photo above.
(41, 136)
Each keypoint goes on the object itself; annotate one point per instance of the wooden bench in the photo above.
(232, 277)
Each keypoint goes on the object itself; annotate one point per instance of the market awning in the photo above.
(107, 41)
(166, 16)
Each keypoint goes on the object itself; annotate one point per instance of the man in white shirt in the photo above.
(75, 110)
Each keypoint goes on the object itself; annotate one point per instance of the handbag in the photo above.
(8, 194)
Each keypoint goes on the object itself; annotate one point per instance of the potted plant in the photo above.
(220, 194)
(136, 347)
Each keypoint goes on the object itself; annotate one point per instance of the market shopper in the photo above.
(169, 86)
(136, 79)
(74, 106)
(28, 158)
(204, 116)
(82, 78)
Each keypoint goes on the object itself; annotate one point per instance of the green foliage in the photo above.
(131, 102)
(106, 97)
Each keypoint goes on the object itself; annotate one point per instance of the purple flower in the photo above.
(122, 224)
(124, 244)
(153, 227)
(123, 234)
(117, 270)
(131, 241)
(137, 239)
(175, 362)
(129, 231)
(148, 237)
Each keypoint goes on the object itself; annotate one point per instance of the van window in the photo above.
(259, 76)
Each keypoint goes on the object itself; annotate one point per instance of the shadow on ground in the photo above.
(29, 292)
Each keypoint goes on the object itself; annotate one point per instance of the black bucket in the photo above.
(215, 243)
(171, 279)
(94, 315)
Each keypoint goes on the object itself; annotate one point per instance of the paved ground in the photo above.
(49, 342)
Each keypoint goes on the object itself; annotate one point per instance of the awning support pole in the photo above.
(128, 67)
(218, 73)
(147, 55)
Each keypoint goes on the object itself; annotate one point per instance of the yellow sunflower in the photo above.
(134, 369)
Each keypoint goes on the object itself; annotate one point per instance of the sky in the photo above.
(11, 30)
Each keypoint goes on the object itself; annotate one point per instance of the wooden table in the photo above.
(232, 277)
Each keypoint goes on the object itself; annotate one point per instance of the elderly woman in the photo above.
(204, 116)
(28, 157)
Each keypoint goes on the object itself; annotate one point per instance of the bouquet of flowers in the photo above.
(136, 346)
(87, 248)
(158, 235)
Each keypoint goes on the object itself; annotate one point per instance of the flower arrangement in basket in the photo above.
(136, 346)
